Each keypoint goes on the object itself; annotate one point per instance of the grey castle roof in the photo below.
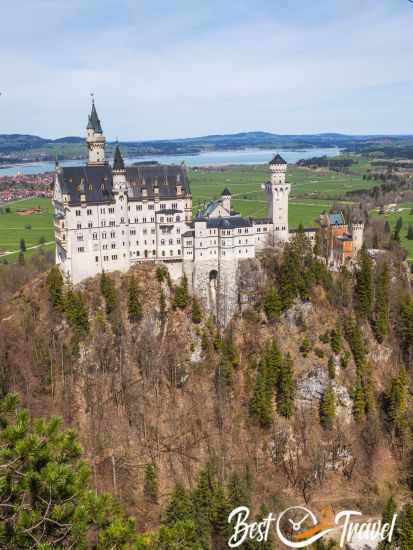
(228, 223)
(118, 163)
(226, 192)
(94, 122)
(277, 160)
(97, 182)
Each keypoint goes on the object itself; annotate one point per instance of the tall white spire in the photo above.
(95, 139)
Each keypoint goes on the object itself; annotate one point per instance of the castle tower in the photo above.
(357, 231)
(118, 172)
(278, 191)
(226, 199)
(95, 139)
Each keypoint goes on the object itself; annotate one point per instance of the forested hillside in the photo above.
(304, 398)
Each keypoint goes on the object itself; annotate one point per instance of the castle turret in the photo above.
(357, 232)
(95, 139)
(118, 172)
(226, 199)
(278, 191)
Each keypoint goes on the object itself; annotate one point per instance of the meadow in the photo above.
(312, 191)
(32, 228)
(405, 214)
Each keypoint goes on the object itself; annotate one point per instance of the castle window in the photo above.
(161, 219)
(114, 257)
(105, 258)
(90, 225)
(175, 205)
(103, 235)
(143, 220)
(81, 249)
(79, 226)
(163, 252)
(138, 207)
(145, 231)
(152, 219)
(264, 229)
(112, 223)
(153, 231)
(105, 247)
(137, 253)
(163, 206)
(111, 210)
(171, 241)
(96, 258)
(89, 211)
(136, 220)
(80, 237)
(150, 206)
(122, 220)
(258, 229)
(162, 241)
(113, 245)
(178, 241)
(171, 252)
(103, 223)
(95, 236)
(178, 218)
(153, 252)
(77, 212)
(112, 234)
(178, 230)
(133, 232)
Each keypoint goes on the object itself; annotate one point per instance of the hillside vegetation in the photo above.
(305, 397)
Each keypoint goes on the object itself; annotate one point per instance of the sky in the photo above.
(182, 68)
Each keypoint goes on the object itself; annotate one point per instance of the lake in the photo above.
(244, 156)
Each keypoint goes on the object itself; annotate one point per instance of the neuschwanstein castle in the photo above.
(108, 218)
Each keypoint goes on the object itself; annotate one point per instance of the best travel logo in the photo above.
(299, 527)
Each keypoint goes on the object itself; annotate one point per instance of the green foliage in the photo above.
(108, 290)
(410, 232)
(364, 285)
(404, 327)
(134, 303)
(344, 359)
(179, 508)
(76, 312)
(305, 347)
(286, 388)
(381, 306)
(272, 304)
(325, 338)
(359, 402)
(22, 246)
(335, 340)
(356, 342)
(328, 407)
(150, 488)
(319, 352)
(54, 283)
(397, 399)
(196, 311)
(45, 485)
(268, 372)
(181, 299)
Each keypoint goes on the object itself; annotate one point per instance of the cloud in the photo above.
(175, 69)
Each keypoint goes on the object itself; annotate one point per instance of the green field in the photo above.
(407, 219)
(14, 227)
(311, 193)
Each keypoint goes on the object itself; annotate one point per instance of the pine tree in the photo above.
(364, 285)
(134, 304)
(76, 312)
(328, 407)
(179, 508)
(286, 388)
(261, 401)
(355, 339)
(108, 290)
(150, 488)
(181, 294)
(359, 403)
(410, 232)
(388, 514)
(46, 485)
(22, 245)
(405, 528)
(54, 283)
(397, 399)
(196, 311)
(335, 340)
(272, 304)
(305, 347)
(381, 305)
(387, 228)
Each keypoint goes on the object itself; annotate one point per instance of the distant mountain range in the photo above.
(29, 146)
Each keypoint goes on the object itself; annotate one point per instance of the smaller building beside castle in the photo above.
(344, 240)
